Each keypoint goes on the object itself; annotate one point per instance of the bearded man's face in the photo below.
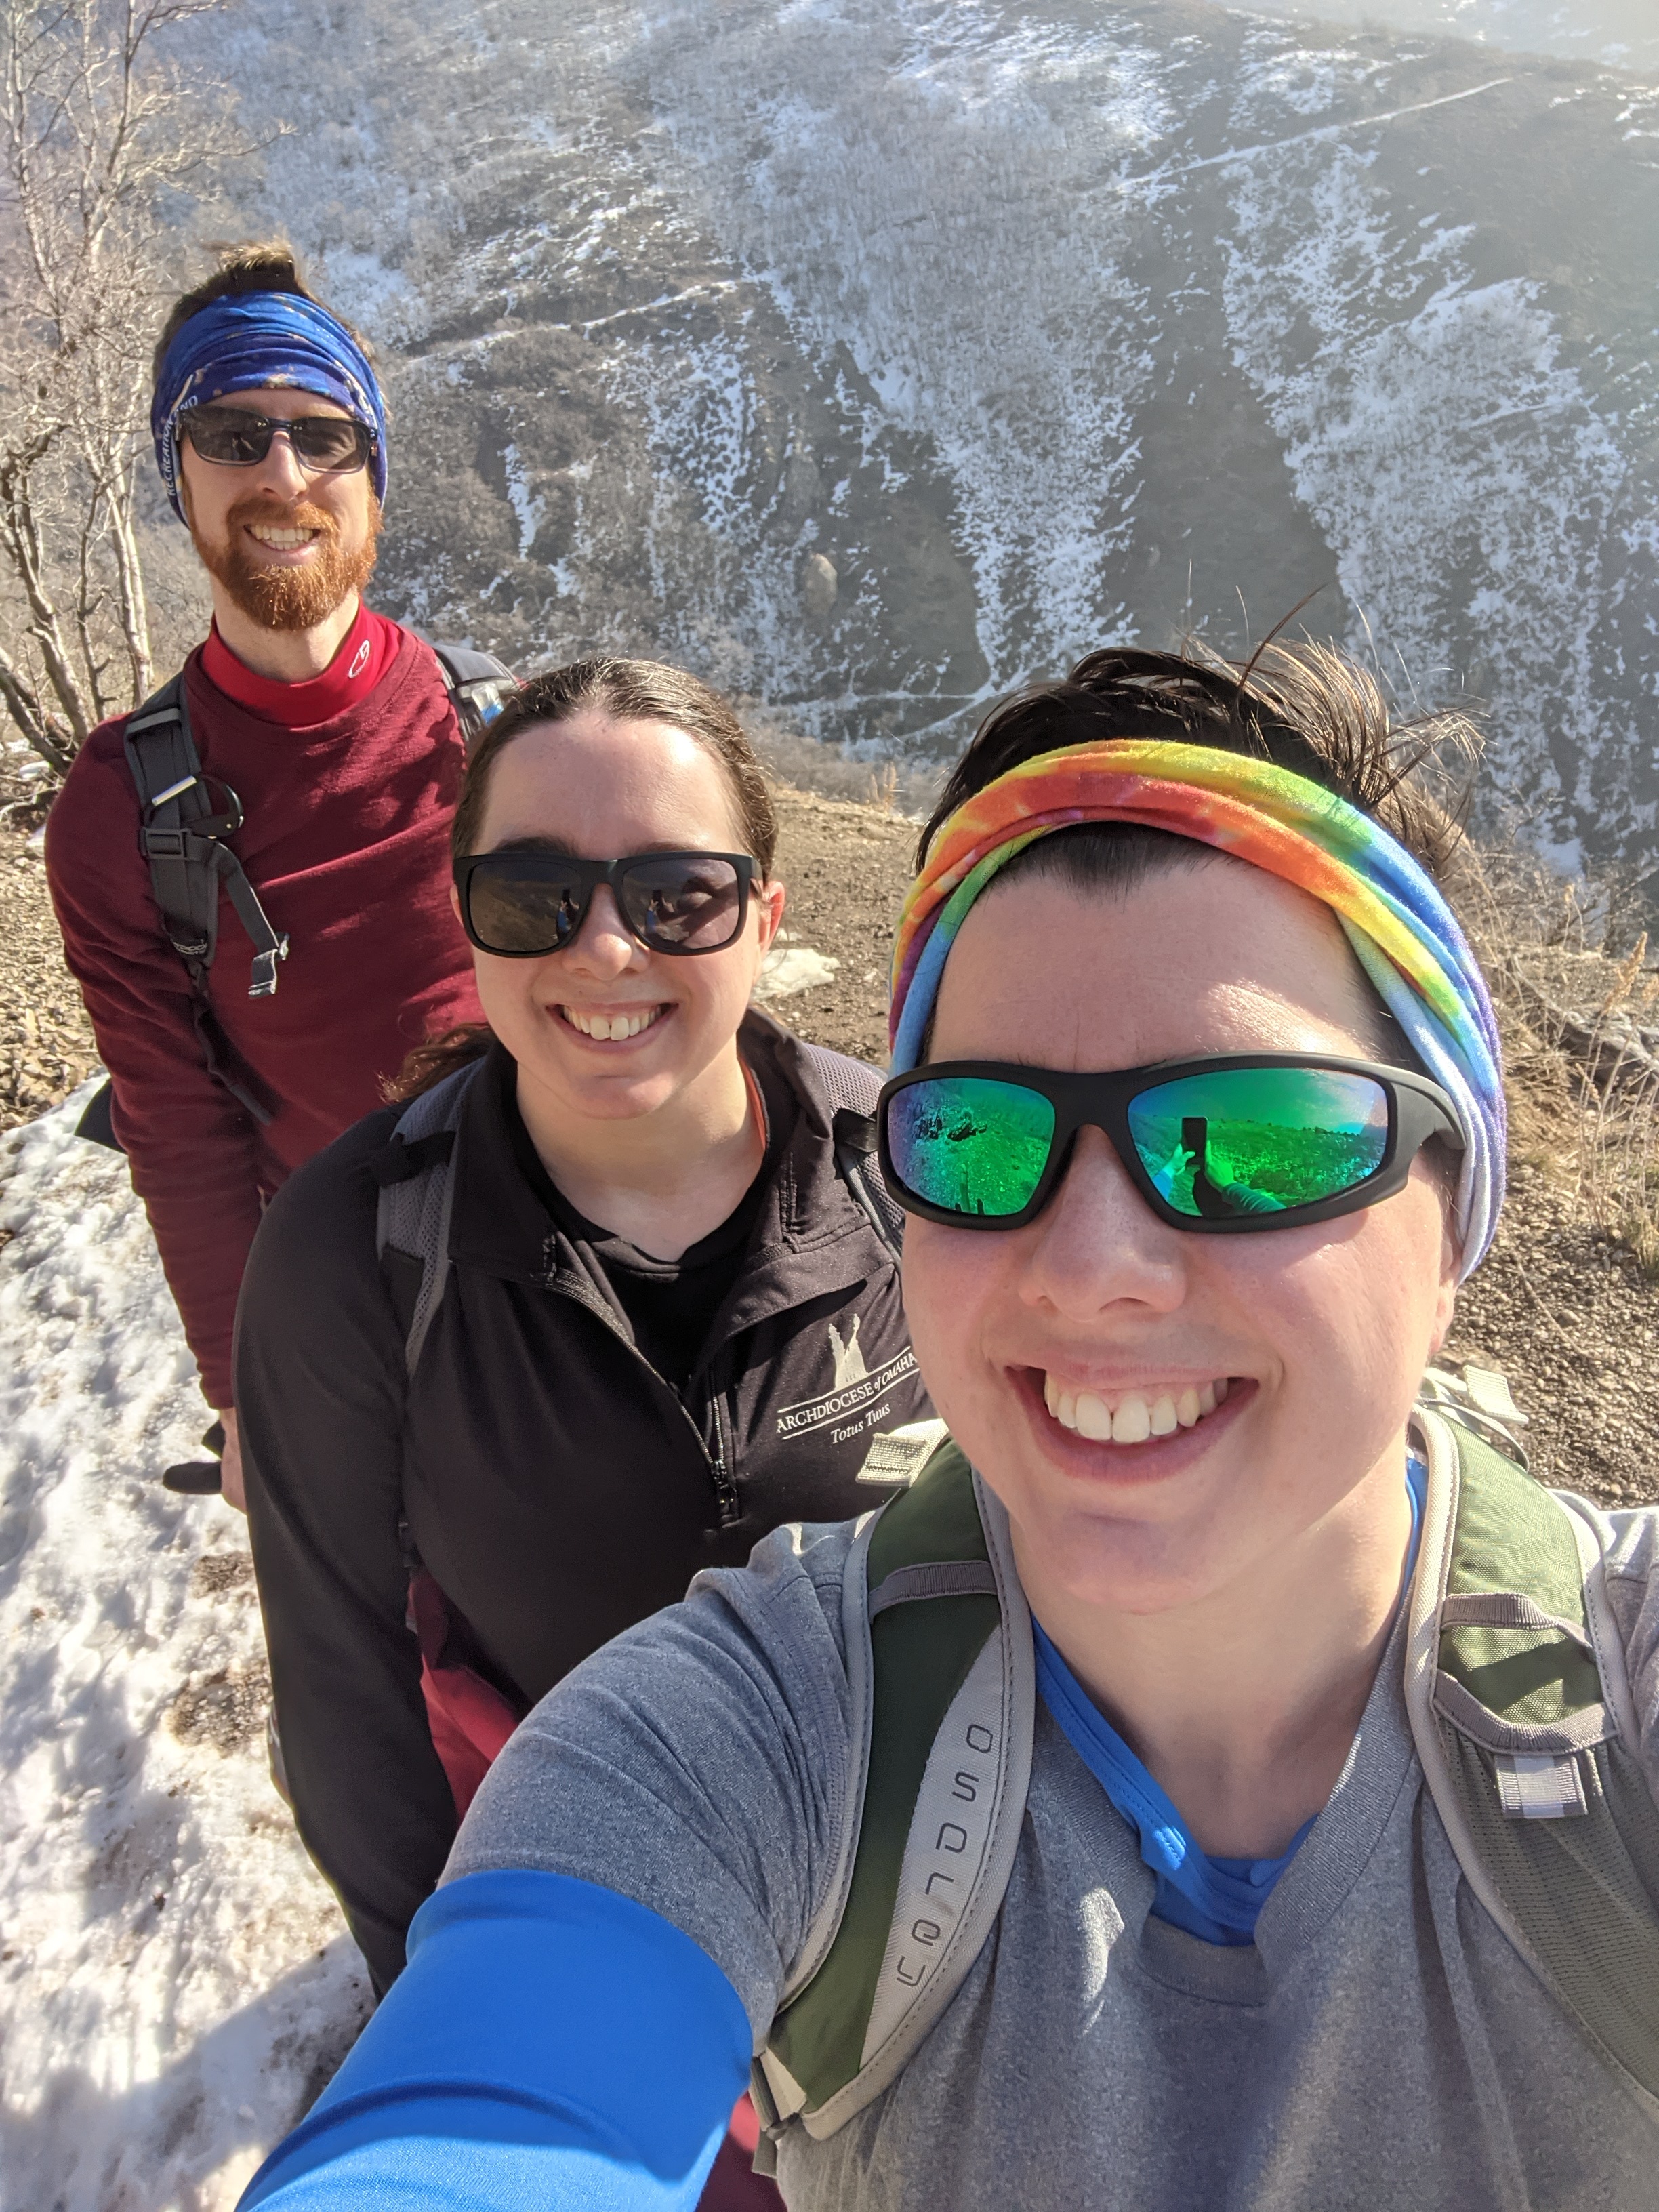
(288, 545)
(288, 594)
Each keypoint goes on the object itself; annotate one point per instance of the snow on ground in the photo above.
(175, 1983)
(785, 970)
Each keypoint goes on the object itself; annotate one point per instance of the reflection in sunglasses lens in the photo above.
(1251, 1141)
(970, 1144)
(693, 904)
(522, 909)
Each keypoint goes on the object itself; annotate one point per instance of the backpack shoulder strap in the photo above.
(1521, 1711)
(182, 819)
(940, 1666)
(479, 686)
(417, 1194)
(852, 1088)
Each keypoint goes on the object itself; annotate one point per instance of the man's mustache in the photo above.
(300, 516)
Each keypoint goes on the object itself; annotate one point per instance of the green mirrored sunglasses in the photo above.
(1250, 1141)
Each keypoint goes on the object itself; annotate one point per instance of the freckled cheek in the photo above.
(956, 1284)
(1340, 1322)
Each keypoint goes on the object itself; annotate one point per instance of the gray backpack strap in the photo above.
(1521, 1710)
(852, 1088)
(417, 1194)
(479, 687)
(943, 1683)
(184, 817)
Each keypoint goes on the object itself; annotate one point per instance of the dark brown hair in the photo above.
(627, 690)
(263, 264)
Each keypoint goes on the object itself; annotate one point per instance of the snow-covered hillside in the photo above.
(175, 1984)
(1621, 34)
(871, 355)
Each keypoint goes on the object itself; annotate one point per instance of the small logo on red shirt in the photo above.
(359, 660)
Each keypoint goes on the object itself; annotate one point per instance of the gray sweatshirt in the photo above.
(1379, 2046)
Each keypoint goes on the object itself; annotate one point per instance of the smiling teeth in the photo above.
(1134, 1418)
(284, 541)
(608, 1027)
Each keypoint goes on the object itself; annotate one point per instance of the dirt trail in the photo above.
(1560, 1307)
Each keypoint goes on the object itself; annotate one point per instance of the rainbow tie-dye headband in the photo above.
(1406, 936)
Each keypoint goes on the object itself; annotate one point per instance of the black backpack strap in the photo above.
(414, 1173)
(184, 817)
(852, 1088)
(479, 685)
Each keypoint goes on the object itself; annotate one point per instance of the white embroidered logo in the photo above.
(359, 661)
(849, 1360)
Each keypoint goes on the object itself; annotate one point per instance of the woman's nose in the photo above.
(603, 946)
(1098, 1241)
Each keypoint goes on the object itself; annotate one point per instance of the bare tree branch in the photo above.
(99, 128)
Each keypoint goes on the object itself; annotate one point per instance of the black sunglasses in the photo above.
(1266, 1140)
(322, 444)
(521, 905)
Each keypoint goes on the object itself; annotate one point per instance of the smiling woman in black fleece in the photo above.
(668, 1325)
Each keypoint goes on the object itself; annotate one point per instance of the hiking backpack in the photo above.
(184, 817)
(1520, 1709)
(417, 1188)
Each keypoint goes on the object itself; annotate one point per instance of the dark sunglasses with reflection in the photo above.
(1236, 1142)
(323, 445)
(522, 905)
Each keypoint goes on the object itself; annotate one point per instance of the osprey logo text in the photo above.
(855, 1396)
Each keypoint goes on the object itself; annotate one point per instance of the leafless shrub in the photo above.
(907, 789)
(100, 137)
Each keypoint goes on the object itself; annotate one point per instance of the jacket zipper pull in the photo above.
(725, 1494)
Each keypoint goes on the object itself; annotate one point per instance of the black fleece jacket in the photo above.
(555, 1484)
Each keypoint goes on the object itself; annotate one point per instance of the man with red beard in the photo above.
(330, 760)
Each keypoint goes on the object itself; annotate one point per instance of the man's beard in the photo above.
(280, 598)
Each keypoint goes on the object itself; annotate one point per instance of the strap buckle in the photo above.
(263, 984)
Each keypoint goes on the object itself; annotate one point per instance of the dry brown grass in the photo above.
(1577, 1001)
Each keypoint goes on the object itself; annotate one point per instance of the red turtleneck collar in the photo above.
(368, 650)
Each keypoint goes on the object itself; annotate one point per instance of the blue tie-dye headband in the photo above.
(250, 341)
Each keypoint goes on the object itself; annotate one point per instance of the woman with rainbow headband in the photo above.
(1197, 1114)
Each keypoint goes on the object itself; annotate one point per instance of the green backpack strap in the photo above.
(940, 1666)
(1521, 1709)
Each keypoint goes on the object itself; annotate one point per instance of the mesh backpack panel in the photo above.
(853, 1087)
(1523, 1720)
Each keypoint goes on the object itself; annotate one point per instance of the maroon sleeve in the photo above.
(192, 1150)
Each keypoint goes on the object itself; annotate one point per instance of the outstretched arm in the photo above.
(621, 1909)
(550, 2044)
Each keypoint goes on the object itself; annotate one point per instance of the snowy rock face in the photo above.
(1038, 324)
(176, 1983)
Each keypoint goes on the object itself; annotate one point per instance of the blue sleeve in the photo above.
(549, 2046)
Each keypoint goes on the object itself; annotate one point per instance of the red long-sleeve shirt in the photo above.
(346, 840)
